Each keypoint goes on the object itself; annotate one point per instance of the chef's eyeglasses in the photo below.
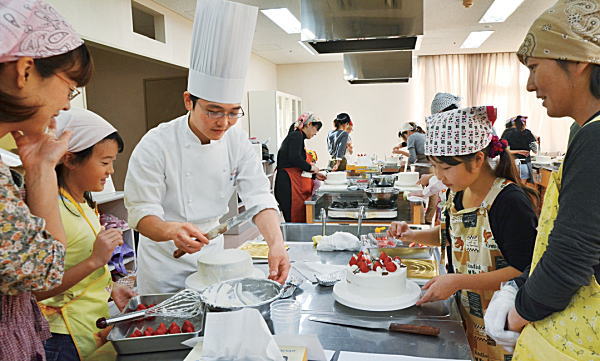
(221, 115)
(73, 91)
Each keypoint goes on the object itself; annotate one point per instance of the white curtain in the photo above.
(497, 79)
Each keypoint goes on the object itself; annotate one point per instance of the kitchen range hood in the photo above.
(344, 26)
(378, 67)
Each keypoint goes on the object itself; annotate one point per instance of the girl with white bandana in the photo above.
(489, 219)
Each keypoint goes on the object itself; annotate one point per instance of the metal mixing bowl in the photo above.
(382, 194)
(232, 295)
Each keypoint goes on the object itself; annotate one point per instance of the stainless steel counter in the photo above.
(318, 300)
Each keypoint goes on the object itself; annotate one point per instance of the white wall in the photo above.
(377, 110)
(262, 75)
(108, 22)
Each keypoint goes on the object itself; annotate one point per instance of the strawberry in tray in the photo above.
(385, 242)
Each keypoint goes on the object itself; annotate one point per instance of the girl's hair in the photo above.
(415, 128)
(340, 120)
(519, 124)
(594, 78)
(81, 156)
(78, 66)
(505, 168)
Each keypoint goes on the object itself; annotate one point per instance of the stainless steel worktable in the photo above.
(318, 300)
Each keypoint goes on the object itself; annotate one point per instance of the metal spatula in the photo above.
(183, 304)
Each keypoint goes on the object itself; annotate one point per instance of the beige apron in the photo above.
(574, 333)
(475, 251)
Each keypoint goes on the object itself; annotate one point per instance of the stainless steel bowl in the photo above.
(382, 194)
(383, 180)
(240, 293)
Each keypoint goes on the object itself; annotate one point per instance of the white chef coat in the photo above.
(173, 176)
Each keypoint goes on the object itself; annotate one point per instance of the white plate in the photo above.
(369, 303)
(195, 282)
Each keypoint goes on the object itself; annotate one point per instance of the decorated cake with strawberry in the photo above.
(379, 277)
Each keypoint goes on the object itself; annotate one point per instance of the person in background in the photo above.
(294, 179)
(337, 140)
(510, 124)
(489, 220)
(42, 61)
(349, 144)
(555, 304)
(415, 143)
(402, 144)
(521, 142)
(73, 307)
(443, 102)
(312, 158)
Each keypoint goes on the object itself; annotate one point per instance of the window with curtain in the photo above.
(497, 79)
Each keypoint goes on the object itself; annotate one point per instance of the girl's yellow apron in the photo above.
(574, 333)
(81, 311)
(475, 251)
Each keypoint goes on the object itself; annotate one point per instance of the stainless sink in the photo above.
(303, 232)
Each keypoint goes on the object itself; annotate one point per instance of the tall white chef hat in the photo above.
(221, 46)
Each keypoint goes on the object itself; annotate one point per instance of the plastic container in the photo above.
(285, 315)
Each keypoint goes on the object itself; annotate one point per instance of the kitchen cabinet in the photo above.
(270, 115)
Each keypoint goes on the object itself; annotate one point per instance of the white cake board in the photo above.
(336, 183)
(196, 282)
(370, 303)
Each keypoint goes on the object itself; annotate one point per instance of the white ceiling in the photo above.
(447, 24)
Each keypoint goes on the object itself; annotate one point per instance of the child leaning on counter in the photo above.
(73, 307)
(490, 224)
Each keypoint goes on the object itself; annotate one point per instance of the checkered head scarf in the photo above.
(442, 101)
(460, 131)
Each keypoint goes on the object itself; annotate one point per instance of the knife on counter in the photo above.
(380, 325)
(223, 227)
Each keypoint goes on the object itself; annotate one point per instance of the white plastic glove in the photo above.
(434, 187)
(497, 313)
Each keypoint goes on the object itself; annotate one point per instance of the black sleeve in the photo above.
(573, 251)
(297, 156)
(530, 137)
(514, 225)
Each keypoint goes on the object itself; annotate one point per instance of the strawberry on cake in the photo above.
(378, 277)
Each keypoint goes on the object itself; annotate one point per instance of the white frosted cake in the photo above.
(336, 177)
(407, 178)
(225, 265)
(383, 277)
(543, 159)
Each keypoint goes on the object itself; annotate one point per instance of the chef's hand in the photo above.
(321, 176)
(440, 288)
(187, 237)
(279, 263)
(106, 242)
(497, 313)
(121, 295)
(402, 231)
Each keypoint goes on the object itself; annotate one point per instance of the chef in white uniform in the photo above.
(182, 173)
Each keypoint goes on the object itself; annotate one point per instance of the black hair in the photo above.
(449, 107)
(319, 125)
(79, 157)
(505, 168)
(414, 128)
(194, 99)
(519, 123)
(594, 77)
(341, 119)
(77, 65)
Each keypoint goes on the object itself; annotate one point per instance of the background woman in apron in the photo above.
(293, 182)
(559, 300)
(73, 308)
(490, 220)
(521, 142)
(337, 141)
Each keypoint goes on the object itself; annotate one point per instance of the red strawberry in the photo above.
(149, 331)
(376, 265)
(383, 256)
(412, 244)
(397, 258)
(363, 267)
(161, 329)
(174, 328)
(187, 327)
(136, 333)
(353, 261)
(359, 255)
(140, 307)
(391, 266)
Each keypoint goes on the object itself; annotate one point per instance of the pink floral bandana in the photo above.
(33, 28)
(460, 131)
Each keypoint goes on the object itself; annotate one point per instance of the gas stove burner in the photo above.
(381, 204)
(344, 204)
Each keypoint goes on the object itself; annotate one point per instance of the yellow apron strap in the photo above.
(70, 198)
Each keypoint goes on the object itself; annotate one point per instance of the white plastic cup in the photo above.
(285, 315)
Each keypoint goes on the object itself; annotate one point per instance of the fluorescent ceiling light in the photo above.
(476, 38)
(500, 10)
(284, 19)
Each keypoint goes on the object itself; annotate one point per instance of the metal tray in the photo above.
(400, 250)
(123, 345)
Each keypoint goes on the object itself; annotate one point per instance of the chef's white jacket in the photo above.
(173, 176)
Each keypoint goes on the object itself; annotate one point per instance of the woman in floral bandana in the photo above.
(42, 61)
(293, 182)
(556, 304)
(489, 219)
